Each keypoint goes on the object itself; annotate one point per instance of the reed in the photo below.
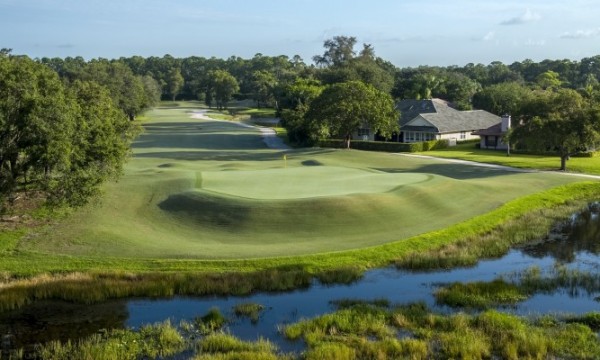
(249, 310)
(212, 321)
(480, 295)
(153, 341)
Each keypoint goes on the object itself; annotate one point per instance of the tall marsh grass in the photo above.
(488, 335)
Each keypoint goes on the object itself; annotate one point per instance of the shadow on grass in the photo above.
(454, 171)
(228, 216)
(212, 155)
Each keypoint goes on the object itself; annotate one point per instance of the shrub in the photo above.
(386, 146)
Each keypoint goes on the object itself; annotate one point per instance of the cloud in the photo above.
(533, 43)
(489, 36)
(527, 17)
(581, 34)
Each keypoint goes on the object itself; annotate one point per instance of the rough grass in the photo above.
(370, 332)
(480, 295)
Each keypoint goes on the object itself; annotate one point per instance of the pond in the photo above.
(574, 244)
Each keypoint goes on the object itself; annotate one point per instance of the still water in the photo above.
(575, 244)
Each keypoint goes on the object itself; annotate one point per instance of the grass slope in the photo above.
(208, 190)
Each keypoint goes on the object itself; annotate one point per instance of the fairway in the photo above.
(202, 189)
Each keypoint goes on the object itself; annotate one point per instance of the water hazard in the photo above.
(574, 245)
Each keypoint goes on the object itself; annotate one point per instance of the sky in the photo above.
(407, 33)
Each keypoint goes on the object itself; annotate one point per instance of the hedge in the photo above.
(386, 146)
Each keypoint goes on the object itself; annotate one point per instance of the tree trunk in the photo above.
(348, 138)
(563, 162)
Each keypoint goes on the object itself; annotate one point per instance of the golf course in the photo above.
(212, 190)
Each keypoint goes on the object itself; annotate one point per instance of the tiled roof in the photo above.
(443, 117)
(492, 130)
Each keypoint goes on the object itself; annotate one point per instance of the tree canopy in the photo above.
(343, 108)
(560, 121)
(61, 138)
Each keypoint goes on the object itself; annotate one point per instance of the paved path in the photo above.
(499, 167)
(270, 138)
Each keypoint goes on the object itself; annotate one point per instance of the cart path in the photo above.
(270, 138)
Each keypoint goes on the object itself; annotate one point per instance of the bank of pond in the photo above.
(538, 300)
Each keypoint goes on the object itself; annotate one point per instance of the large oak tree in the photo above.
(343, 108)
(558, 121)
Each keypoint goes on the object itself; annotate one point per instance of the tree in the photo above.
(174, 83)
(503, 98)
(99, 146)
(342, 108)
(224, 86)
(295, 101)
(152, 91)
(62, 138)
(560, 121)
(339, 51)
(262, 86)
(35, 122)
(548, 80)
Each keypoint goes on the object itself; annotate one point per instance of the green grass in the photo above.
(371, 332)
(208, 190)
(204, 196)
(469, 152)
(249, 310)
(149, 342)
(480, 295)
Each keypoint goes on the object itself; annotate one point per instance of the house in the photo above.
(435, 119)
(492, 137)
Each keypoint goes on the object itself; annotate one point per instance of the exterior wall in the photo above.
(459, 136)
(483, 144)
(418, 136)
(363, 134)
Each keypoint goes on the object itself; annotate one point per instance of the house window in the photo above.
(363, 132)
(463, 135)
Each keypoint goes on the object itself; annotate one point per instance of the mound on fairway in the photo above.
(304, 182)
(200, 189)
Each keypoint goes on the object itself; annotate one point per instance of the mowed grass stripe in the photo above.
(205, 190)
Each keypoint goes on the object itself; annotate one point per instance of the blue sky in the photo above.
(404, 32)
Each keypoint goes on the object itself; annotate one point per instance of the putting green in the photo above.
(304, 182)
(200, 189)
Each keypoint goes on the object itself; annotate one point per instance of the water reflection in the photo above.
(45, 321)
(580, 234)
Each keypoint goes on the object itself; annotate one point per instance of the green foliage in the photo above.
(223, 343)
(387, 146)
(149, 342)
(592, 320)
(211, 321)
(223, 85)
(66, 141)
(249, 310)
(558, 121)
(342, 108)
(175, 82)
(503, 98)
(480, 295)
